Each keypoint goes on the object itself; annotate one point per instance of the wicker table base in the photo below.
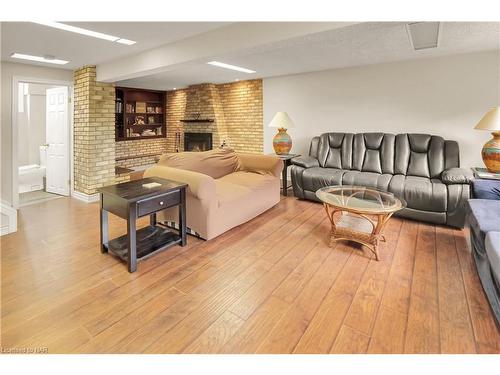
(357, 227)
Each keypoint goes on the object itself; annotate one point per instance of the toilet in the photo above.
(31, 176)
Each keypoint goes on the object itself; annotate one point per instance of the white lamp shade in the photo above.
(281, 120)
(490, 121)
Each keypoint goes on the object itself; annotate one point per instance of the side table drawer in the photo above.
(151, 205)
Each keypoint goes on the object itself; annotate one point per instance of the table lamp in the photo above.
(491, 149)
(282, 142)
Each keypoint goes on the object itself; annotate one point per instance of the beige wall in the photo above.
(8, 70)
(444, 96)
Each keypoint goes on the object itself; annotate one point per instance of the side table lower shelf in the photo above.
(150, 240)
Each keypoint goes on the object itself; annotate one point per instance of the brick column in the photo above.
(94, 132)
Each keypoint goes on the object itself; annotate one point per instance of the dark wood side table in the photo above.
(287, 161)
(131, 200)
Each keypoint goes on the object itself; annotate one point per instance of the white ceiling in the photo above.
(360, 44)
(333, 45)
(34, 39)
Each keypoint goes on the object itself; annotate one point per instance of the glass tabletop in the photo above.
(360, 199)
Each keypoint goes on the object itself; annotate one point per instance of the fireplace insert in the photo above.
(197, 141)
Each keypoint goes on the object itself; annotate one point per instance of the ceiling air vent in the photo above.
(423, 35)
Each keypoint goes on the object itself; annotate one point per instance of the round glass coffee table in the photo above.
(363, 213)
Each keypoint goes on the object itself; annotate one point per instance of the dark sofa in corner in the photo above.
(420, 168)
(484, 221)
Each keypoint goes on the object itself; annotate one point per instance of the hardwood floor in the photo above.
(269, 286)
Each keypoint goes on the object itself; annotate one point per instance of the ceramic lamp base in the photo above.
(282, 142)
(491, 153)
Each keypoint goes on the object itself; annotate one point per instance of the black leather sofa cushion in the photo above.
(420, 193)
(315, 178)
(456, 176)
(368, 179)
(305, 161)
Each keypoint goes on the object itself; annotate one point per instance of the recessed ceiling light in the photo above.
(94, 34)
(128, 42)
(175, 88)
(237, 79)
(47, 59)
(229, 66)
(423, 35)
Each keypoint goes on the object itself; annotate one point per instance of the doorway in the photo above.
(41, 141)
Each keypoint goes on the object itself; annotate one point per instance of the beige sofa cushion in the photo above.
(249, 180)
(237, 203)
(262, 164)
(214, 163)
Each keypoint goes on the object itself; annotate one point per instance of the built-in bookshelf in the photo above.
(139, 114)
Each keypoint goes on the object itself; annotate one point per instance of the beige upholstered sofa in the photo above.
(226, 189)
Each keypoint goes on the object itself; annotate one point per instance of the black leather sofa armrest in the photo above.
(456, 176)
(305, 161)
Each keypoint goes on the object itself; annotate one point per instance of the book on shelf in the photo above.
(130, 108)
(484, 173)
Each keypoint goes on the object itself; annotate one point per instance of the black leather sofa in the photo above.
(420, 168)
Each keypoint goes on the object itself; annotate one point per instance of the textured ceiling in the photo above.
(361, 44)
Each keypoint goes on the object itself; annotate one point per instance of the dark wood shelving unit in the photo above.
(151, 105)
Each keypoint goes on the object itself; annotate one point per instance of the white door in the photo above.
(57, 130)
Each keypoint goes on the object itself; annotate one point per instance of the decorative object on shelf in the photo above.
(158, 131)
(140, 107)
(148, 133)
(282, 142)
(139, 120)
(158, 110)
(151, 120)
(491, 149)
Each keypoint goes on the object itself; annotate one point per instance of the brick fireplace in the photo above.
(232, 113)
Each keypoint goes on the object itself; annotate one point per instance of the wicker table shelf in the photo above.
(359, 214)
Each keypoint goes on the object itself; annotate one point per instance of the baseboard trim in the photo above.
(87, 198)
(11, 213)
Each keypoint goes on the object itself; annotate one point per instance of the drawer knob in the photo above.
(161, 203)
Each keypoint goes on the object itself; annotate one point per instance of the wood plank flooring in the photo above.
(271, 285)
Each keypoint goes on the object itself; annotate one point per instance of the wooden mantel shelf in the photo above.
(136, 156)
(198, 120)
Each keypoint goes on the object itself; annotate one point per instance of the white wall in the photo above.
(31, 125)
(443, 96)
(36, 136)
(9, 70)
